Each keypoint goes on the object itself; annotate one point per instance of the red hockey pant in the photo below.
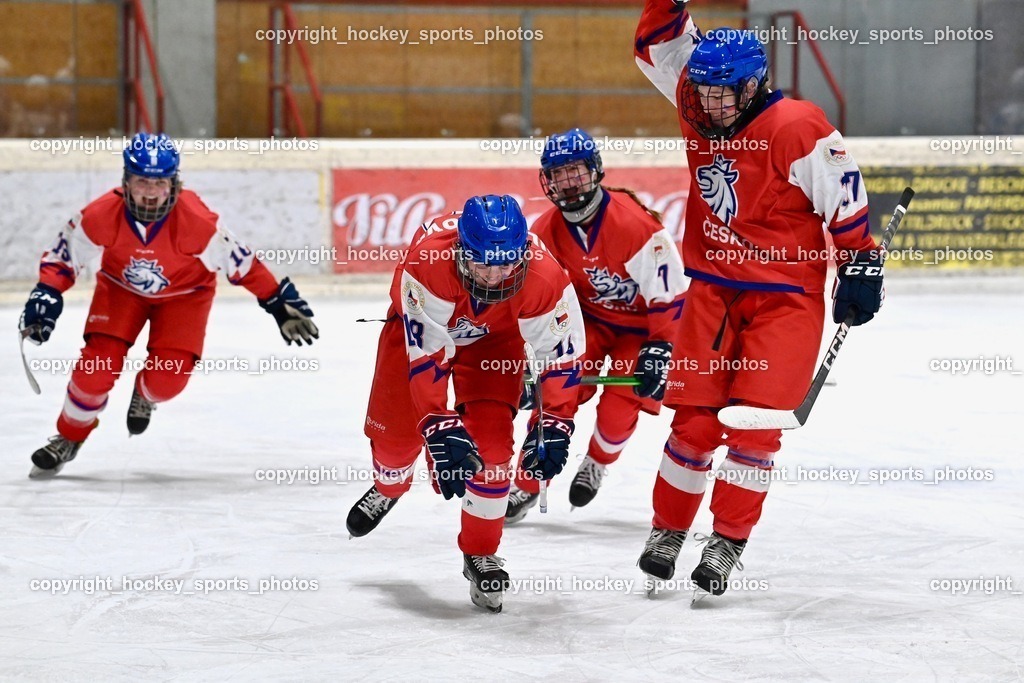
(177, 326)
(767, 344)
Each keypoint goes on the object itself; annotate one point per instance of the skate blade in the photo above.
(489, 601)
(699, 595)
(655, 588)
(39, 473)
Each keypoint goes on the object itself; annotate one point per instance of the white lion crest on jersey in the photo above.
(716, 181)
(610, 287)
(465, 329)
(145, 276)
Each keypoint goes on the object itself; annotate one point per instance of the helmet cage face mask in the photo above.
(572, 186)
(469, 265)
(720, 111)
(148, 214)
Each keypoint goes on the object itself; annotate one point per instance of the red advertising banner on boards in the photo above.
(374, 212)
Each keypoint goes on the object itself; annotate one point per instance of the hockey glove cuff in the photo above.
(42, 309)
(292, 314)
(652, 369)
(859, 288)
(452, 453)
(556, 433)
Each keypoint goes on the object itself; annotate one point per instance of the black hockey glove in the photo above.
(292, 314)
(452, 452)
(528, 397)
(42, 309)
(556, 433)
(678, 6)
(652, 369)
(858, 288)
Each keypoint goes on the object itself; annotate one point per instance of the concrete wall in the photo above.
(186, 46)
(281, 199)
(899, 87)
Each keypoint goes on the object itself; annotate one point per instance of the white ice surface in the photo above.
(848, 567)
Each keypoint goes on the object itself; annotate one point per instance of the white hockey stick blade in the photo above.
(22, 335)
(749, 417)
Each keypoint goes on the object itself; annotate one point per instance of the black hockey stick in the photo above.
(535, 378)
(749, 417)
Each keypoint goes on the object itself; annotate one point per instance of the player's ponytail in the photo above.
(656, 215)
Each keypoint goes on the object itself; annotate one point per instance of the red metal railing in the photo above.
(281, 94)
(136, 38)
(800, 23)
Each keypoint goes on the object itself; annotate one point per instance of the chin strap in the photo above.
(588, 210)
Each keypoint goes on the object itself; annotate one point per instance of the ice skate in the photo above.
(519, 503)
(487, 580)
(368, 511)
(50, 459)
(716, 563)
(139, 413)
(658, 559)
(586, 482)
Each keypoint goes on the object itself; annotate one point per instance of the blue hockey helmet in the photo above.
(570, 186)
(727, 63)
(151, 156)
(492, 247)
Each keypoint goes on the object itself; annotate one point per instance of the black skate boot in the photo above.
(519, 503)
(716, 562)
(658, 560)
(366, 514)
(50, 459)
(487, 580)
(586, 482)
(139, 413)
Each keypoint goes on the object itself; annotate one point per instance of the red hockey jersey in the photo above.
(176, 255)
(625, 268)
(448, 331)
(759, 201)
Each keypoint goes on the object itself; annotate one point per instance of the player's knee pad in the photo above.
(166, 373)
(697, 429)
(100, 364)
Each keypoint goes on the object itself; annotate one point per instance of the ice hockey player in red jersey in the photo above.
(768, 176)
(159, 249)
(627, 273)
(471, 290)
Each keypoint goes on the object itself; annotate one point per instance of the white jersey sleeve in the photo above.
(665, 39)
(557, 336)
(831, 180)
(73, 251)
(426, 319)
(225, 252)
(658, 269)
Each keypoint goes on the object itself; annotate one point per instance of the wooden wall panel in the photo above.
(43, 41)
(578, 50)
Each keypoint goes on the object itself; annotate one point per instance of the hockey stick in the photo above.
(613, 380)
(535, 375)
(749, 417)
(620, 381)
(22, 335)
